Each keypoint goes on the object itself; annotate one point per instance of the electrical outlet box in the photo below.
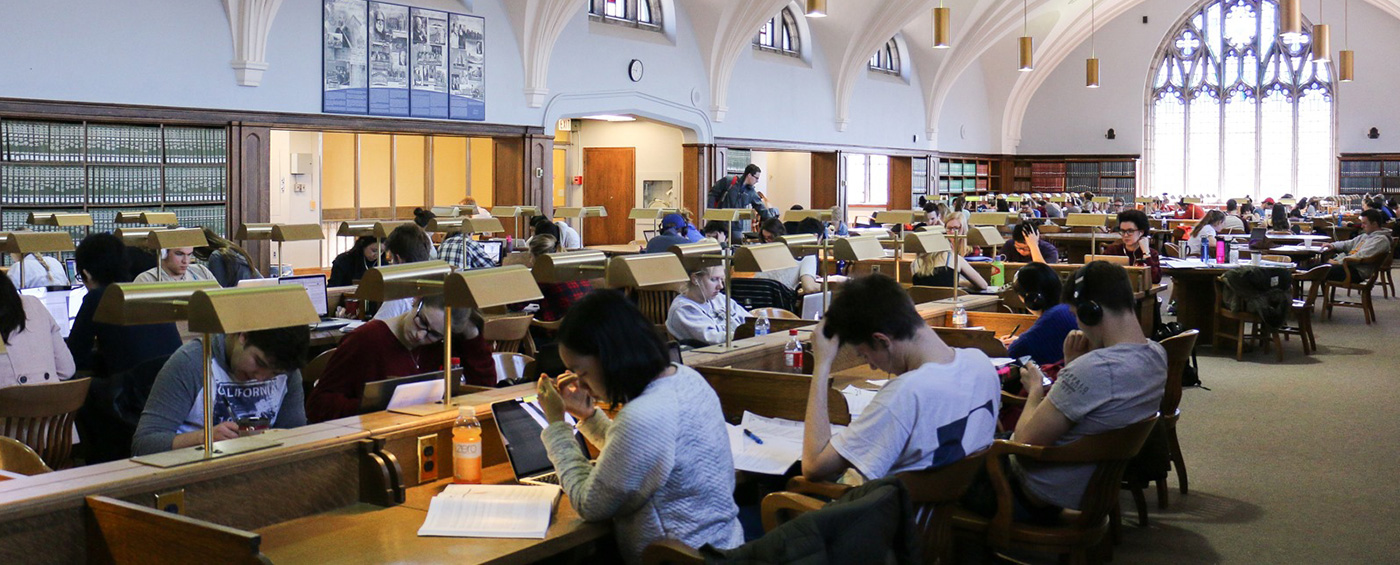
(172, 502)
(302, 163)
(427, 458)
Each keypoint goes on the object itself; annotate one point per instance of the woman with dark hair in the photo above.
(351, 265)
(34, 343)
(102, 260)
(408, 243)
(1039, 287)
(229, 262)
(1207, 227)
(1278, 221)
(664, 469)
(422, 218)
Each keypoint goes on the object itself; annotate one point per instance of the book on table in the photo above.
(491, 511)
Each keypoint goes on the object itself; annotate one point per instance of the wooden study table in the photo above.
(615, 249)
(1078, 245)
(1194, 293)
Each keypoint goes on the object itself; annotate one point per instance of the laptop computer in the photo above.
(520, 422)
(315, 286)
(255, 283)
(494, 249)
(376, 395)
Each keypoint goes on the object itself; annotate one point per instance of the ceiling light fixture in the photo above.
(610, 118)
(1291, 14)
(1091, 66)
(1346, 58)
(941, 27)
(1026, 61)
(816, 8)
(1322, 39)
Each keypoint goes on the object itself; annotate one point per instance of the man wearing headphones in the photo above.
(176, 264)
(1039, 288)
(1113, 377)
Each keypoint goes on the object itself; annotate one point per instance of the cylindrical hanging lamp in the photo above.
(1091, 66)
(942, 35)
(1291, 19)
(1025, 60)
(1322, 39)
(816, 8)
(1346, 59)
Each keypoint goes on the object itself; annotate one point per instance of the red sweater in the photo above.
(372, 353)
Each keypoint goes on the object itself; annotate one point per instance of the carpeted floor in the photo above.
(1289, 462)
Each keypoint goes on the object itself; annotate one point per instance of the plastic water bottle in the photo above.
(761, 325)
(1234, 255)
(792, 353)
(466, 447)
(1205, 249)
(1220, 255)
(959, 316)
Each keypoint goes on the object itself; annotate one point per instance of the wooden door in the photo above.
(609, 180)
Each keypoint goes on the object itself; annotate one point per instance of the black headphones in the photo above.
(1088, 311)
(1035, 300)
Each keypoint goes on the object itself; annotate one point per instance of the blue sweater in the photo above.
(1045, 341)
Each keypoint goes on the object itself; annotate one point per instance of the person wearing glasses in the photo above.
(407, 344)
(1132, 229)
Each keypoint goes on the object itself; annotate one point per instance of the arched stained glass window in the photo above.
(1235, 110)
(779, 35)
(886, 60)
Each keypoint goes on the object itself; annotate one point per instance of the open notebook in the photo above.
(491, 511)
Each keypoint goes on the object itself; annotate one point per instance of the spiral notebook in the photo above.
(491, 511)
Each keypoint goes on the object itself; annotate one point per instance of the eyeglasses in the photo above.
(1124, 231)
(421, 324)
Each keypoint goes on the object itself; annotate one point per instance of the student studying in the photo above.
(664, 469)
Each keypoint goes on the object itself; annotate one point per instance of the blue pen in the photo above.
(752, 437)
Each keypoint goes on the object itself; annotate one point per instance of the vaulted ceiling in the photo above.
(855, 29)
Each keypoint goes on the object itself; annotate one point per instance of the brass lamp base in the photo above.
(196, 454)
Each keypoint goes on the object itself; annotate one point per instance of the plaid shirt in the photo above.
(465, 254)
(558, 297)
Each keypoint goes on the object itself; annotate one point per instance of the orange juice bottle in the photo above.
(466, 447)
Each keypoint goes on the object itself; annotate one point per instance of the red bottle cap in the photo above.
(792, 332)
(456, 361)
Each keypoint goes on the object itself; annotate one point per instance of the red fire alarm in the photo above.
(578, 180)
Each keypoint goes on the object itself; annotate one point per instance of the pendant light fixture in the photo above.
(1091, 66)
(1291, 15)
(942, 37)
(1027, 63)
(1346, 64)
(817, 8)
(1321, 39)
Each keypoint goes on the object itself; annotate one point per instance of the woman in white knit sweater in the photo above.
(664, 470)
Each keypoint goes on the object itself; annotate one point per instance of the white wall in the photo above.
(658, 150)
(1064, 117)
(786, 179)
(290, 205)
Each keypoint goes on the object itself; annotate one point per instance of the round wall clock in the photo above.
(634, 70)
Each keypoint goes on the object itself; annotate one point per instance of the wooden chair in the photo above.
(1115, 259)
(1313, 280)
(1173, 250)
(509, 334)
(1363, 286)
(1081, 534)
(16, 457)
(934, 493)
(774, 314)
(513, 367)
(1277, 258)
(1385, 281)
(41, 416)
(1241, 318)
(655, 304)
(1179, 349)
(312, 371)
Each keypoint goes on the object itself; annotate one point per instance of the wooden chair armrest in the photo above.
(670, 551)
(801, 485)
(999, 528)
(550, 326)
(1008, 447)
(780, 507)
(1008, 399)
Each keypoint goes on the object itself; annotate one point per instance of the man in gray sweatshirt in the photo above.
(257, 384)
(1374, 241)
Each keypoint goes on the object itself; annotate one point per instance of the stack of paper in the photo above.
(857, 399)
(781, 447)
(491, 511)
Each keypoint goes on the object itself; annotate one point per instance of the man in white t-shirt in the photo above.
(941, 407)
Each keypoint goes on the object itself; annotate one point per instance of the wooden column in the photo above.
(250, 185)
(523, 169)
(826, 181)
(901, 184)
(698, 174)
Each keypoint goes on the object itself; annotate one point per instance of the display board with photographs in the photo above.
(344, 57)
(391, 60)
(388, 59)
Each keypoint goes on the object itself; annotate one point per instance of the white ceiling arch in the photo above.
(738, 22)
(882, 23)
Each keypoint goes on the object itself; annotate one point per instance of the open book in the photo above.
(491, 511)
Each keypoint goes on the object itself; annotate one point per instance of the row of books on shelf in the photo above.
(60, 142)
(1370, 168)
(104, 219)
(1355, 191)
(41, 184)
(962, 184)
(963, 168)
(195, 184)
